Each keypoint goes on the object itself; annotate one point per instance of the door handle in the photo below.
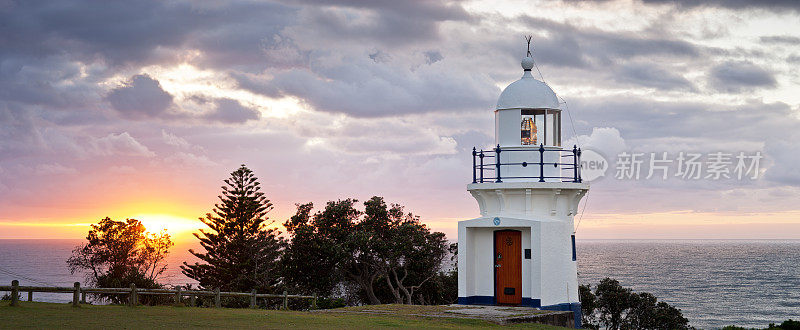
(496, 266)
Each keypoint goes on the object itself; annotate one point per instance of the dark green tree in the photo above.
(383, 251)
(120, 253)
(241, 253)
(612, 306)
(588, 307)
(312, 259)
(410, 254)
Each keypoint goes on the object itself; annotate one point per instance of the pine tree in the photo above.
(241, 252)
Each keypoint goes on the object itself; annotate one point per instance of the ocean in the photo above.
(715, 283)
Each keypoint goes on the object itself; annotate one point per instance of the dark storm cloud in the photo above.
(141, 97)
(567, 45)
(433, 56)
(385, 21)
(641, 118)
(734, 77)
(228, 111)
(649, 75)
(136, 31)
(40, 82)
(362, 88)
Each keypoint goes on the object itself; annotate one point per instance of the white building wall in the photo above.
(544, 213)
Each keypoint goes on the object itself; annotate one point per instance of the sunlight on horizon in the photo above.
(177, 227)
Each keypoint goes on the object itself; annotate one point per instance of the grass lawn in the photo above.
(48, 315)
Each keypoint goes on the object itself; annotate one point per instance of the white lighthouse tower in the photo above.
(521, 250)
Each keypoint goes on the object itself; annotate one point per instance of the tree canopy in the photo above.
(386, 253)
(118, 253)
(241, 252)
(612, 306)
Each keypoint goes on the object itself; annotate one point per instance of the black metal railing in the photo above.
(573, 161)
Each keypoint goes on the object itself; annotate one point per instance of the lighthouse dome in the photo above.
(527, 92)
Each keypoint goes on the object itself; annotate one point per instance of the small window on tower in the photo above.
(528, 132)
(574, 255)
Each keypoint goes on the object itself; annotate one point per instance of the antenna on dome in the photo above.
(528, 39)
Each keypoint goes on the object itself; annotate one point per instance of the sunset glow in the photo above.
(177, 227)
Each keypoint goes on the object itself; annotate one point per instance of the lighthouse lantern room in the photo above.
(521, 250)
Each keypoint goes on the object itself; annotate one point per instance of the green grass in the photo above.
(48, 315)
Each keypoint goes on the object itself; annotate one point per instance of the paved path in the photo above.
(494, 314)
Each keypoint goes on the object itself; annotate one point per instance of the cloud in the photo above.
(791, 40)
(784, 155)
(649, 75)
(122, 144)
(386, 22)
(174, 140)
(188, 160)
(18, 132)
(735, 77)
(702, 123)
(358, 86)
(229, 111)
(54, 169)
(605, 140)
(433, 56)
(731, 4)
(125, 33)
(140, 97)
(564, 44)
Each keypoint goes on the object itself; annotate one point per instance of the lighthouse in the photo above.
(521, 250)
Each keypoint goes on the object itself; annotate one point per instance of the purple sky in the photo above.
(141, 109)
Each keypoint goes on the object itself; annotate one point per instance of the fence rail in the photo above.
(79, 294)
(571, 164)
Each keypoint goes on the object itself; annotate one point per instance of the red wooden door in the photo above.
(508, 266)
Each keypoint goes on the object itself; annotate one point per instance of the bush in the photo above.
(612, 306)
(785, 325)
(7, 297)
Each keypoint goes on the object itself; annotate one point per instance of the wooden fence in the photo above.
(79, 294)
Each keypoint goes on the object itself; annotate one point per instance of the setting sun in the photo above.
(177, 227)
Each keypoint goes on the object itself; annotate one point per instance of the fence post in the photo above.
(575, 163)
(178, 295)
(497, 163)
(193, 300)
(76, 292)
(314, 301)
(481, 157)
(579, 167)
(83, 297)
(30, 295)
(285, 300)
(217, 303)
(541, 162)
(133, 300)
(474, 177)
(253, 298)
(14, 293)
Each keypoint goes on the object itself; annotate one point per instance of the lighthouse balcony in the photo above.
(526, 164)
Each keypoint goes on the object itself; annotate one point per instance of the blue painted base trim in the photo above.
(529, 302)
(477, 300)
(575, 308)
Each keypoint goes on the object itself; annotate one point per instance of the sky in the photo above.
(141, 109)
